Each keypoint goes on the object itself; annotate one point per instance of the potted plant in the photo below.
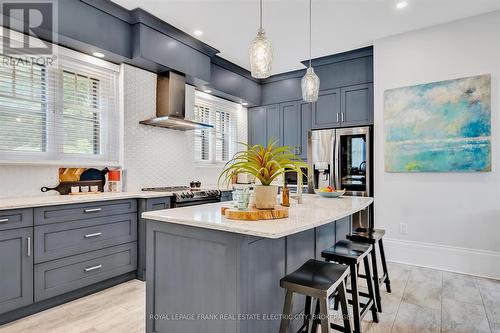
(266, 164)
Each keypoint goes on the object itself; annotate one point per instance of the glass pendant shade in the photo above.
(261, 56)
(310, 86)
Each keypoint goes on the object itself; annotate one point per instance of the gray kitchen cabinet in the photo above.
(290, 114)
(147, 205)
(57, 277)
(327, 111)
(257, 126)
(273, 123)
(357, 105)
(64, 213)
(58, 240)
(306, 112)
(16, 269)
(16, 218)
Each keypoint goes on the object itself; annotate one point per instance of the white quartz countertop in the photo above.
(53, 200)
(314, 212)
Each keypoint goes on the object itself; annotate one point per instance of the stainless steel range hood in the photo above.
(171, 105)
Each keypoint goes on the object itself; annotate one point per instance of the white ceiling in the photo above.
(338, 25)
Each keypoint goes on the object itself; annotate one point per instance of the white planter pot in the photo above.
(265, 196)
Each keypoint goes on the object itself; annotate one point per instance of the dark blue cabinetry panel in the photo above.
(357, 105)
(16, 273)
(257, 125)
(273, 122)
(327, 111)
(306, 112)
(290, 114)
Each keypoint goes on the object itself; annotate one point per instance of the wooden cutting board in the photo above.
(254, 214)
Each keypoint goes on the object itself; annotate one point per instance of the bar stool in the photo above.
(352, 253)
(372, 237)
(320, 280)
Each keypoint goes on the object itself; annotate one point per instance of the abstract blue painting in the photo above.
(439, 127)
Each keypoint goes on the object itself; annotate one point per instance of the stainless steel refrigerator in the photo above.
(342, 158)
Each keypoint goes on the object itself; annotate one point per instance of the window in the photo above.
(217, 144)
(66, 112)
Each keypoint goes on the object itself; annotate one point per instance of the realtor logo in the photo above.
(33, 18)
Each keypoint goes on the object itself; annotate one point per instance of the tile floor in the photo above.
(423, 300)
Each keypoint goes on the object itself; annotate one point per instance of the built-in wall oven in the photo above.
(342, 158)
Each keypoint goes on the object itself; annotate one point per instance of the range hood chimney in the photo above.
(171, 104)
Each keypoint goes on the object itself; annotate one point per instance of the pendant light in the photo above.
(310, 81)
(261, 53)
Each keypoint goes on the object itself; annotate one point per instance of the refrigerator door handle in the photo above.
(336, 162)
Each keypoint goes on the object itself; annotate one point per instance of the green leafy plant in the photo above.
(265, 163)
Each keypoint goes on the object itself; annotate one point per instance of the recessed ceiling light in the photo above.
(401, 4)
(244, 103)
(208, 91)
(98, 54)
(198, 32)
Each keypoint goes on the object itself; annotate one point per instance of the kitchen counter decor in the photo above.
(254, 214)
(266, 164)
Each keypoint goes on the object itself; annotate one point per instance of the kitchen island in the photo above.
(206, 273)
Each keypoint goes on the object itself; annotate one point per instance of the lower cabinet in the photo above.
(16, 269)
(63, 275)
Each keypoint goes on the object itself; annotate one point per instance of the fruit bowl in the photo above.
(334, 194)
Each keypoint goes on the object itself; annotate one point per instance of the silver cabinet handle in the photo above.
(4, 220)
(337, 117)
(93, 268)
(93, 235)
(29, 247)
(342, 116)
(92, 210)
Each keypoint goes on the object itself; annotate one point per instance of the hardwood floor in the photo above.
(423, 300)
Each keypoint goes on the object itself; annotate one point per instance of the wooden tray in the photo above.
(254, 214)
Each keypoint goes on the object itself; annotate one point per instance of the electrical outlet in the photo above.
(403, 228)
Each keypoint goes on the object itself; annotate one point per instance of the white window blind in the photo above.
(63, 113)
(217, 144)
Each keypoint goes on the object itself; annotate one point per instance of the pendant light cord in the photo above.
(310, 32)
(261, 14)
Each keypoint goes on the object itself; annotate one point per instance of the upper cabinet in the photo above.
(290, 114)
(327, 111)
(273, 122)
(257, 125)
(357, 105)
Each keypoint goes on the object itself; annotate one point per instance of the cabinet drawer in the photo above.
(54, 241)
(64, 275)
(16, 218)
(64, 213)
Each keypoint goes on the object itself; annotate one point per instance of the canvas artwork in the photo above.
(439, 127)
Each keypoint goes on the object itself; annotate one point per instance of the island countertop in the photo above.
(313, 212)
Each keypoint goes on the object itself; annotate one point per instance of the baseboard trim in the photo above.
(481, 263)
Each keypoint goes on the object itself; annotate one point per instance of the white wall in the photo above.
(453, 218)
(158, 156)
(152, 156)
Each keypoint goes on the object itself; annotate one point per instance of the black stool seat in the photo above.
(346, 252)
(316, 280)
(316, 274)
(370, 236)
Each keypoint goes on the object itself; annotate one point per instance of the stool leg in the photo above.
(287, 312)
(375, 279)
(384, 266)
(307, 315)
(369, 282)
(324, 309)
(315, 320)
(355, 298)
(342, 295)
